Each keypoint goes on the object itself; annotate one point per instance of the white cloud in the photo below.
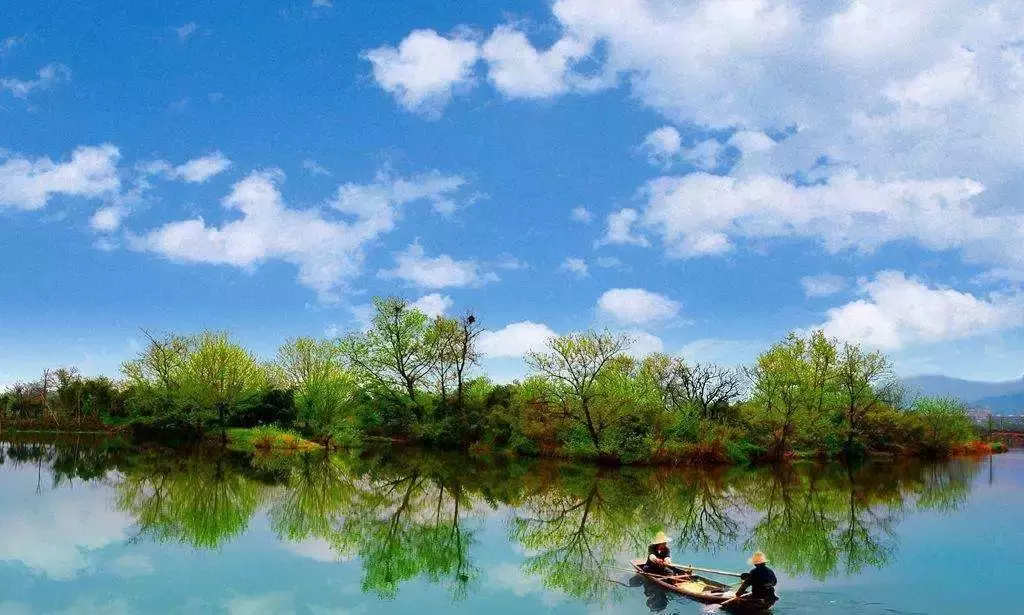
(620, 229)
(57, 535)
(514, 340)
(195, 171)
(275, 603)
(433, 305)
(316, 549)
(900, 94)
(326, 251)
(698, 214)
(28, 184)
(635, 306)
(608, 262)
(418, 269)
(131, 566)
(323, 4)
(186, 30)
(518, 70)
(425, 68)
(662, 145)
(751, 141)
(575, 266)
(511, 577)
(822, 285)
(644, 343)
(47, 77)
(705, 155)
(314, 167)
(721, 351)
(899, 311)
(107, 219)
(581, 214)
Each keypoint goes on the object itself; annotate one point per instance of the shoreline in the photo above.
(269, 440)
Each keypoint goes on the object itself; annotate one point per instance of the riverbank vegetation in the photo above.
(411, 378)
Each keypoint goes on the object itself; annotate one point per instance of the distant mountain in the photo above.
(1011, 403)
(970, 391)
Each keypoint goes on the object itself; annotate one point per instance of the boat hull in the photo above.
(701, 589)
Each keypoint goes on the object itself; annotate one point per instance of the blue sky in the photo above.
(705, 175)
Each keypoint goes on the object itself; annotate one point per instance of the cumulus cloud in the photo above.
(47, 77)
(581, 214)
(643, 343)
(918, 96)
(433, 305)
(518, 70)
(897, 311)
(107, 219)
(822, 285)
(662, 145)
(415, 267)
(424, 69)
(514, 340)
(702, 214)
(195, 171)
(636, 306)
(751, 141)
(575, 266)
(620, 228)
(327, 251)
(28, 184)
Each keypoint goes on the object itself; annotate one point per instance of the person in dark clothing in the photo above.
(760, 580)
(659, 559)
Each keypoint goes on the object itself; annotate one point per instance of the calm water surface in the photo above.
(92, 527)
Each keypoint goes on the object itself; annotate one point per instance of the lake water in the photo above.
(95, 527)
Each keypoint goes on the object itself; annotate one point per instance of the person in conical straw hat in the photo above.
(760, 580)
(658, 555)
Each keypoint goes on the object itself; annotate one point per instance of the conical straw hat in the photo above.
(660, 538)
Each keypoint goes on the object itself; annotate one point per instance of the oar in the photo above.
(652, 574)
(713, 571)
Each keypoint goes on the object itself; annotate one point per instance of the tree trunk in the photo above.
(590, 426)
(221, 411)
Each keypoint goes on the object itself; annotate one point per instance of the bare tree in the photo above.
(711, 388)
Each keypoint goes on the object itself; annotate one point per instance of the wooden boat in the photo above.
(687, 583)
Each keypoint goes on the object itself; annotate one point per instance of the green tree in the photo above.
(865, 383)
(571, 366)
(795, 392)
(324, 388)
(396, 354)
(217, 378)
(939, 424)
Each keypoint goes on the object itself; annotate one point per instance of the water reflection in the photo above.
(412, 516)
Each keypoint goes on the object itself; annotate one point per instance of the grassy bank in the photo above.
(265, 439)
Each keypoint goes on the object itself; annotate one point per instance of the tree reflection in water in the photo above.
(407, 515)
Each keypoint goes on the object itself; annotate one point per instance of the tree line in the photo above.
(411, 378)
